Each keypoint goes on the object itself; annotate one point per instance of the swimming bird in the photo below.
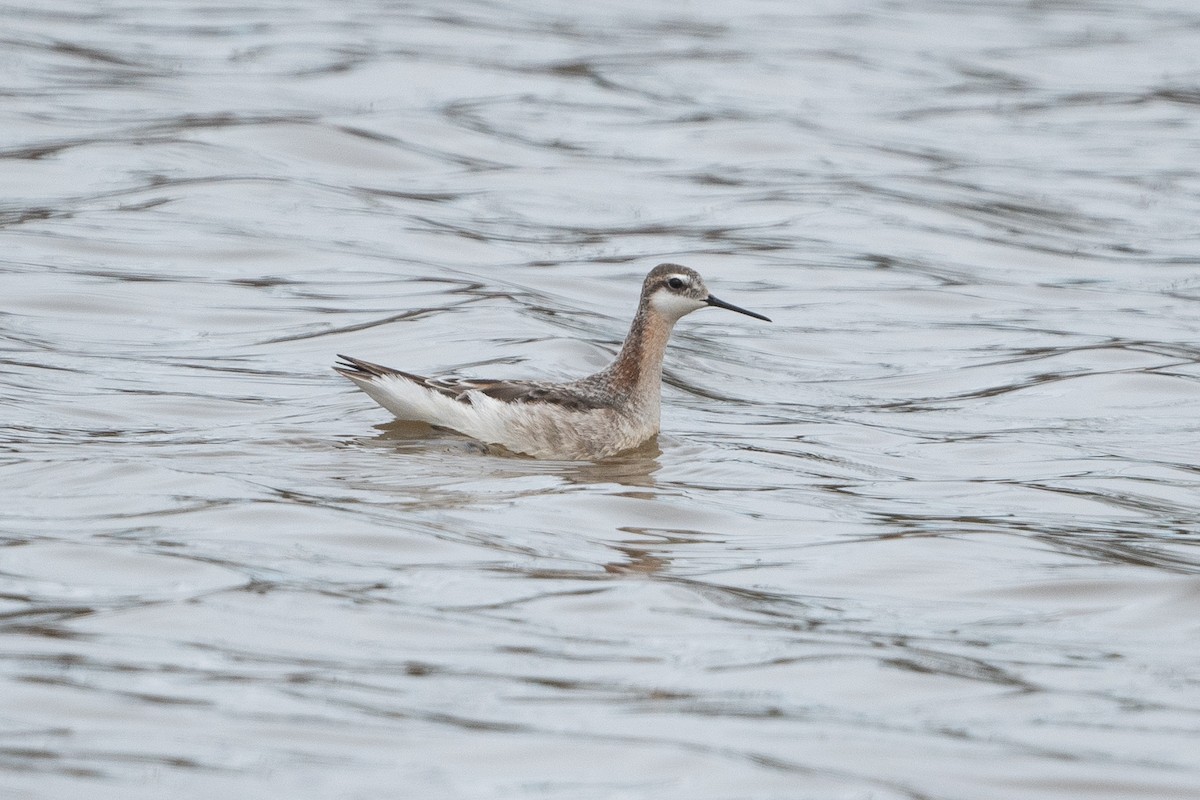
(591, 418)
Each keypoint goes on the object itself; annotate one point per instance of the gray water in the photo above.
(932, 534)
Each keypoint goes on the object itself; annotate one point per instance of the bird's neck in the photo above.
(637, 369)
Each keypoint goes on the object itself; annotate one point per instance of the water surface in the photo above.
(932, 534)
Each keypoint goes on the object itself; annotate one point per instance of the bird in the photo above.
(592, 418)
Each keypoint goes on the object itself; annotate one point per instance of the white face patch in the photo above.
(673, 306)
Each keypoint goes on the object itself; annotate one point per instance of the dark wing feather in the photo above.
(459, 388)
(357, 368)
(527, 392)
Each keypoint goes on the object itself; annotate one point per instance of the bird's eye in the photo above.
(675, 283)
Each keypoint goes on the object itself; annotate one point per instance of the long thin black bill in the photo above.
(712, 301)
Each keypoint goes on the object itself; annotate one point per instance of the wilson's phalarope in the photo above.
(594, 417)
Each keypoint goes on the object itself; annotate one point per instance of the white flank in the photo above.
(410, 401)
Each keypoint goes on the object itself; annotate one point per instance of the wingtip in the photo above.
(358, 370)
(353, 368)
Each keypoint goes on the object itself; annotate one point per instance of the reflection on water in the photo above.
(931, 535)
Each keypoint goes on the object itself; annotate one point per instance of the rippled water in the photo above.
(933, 534)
